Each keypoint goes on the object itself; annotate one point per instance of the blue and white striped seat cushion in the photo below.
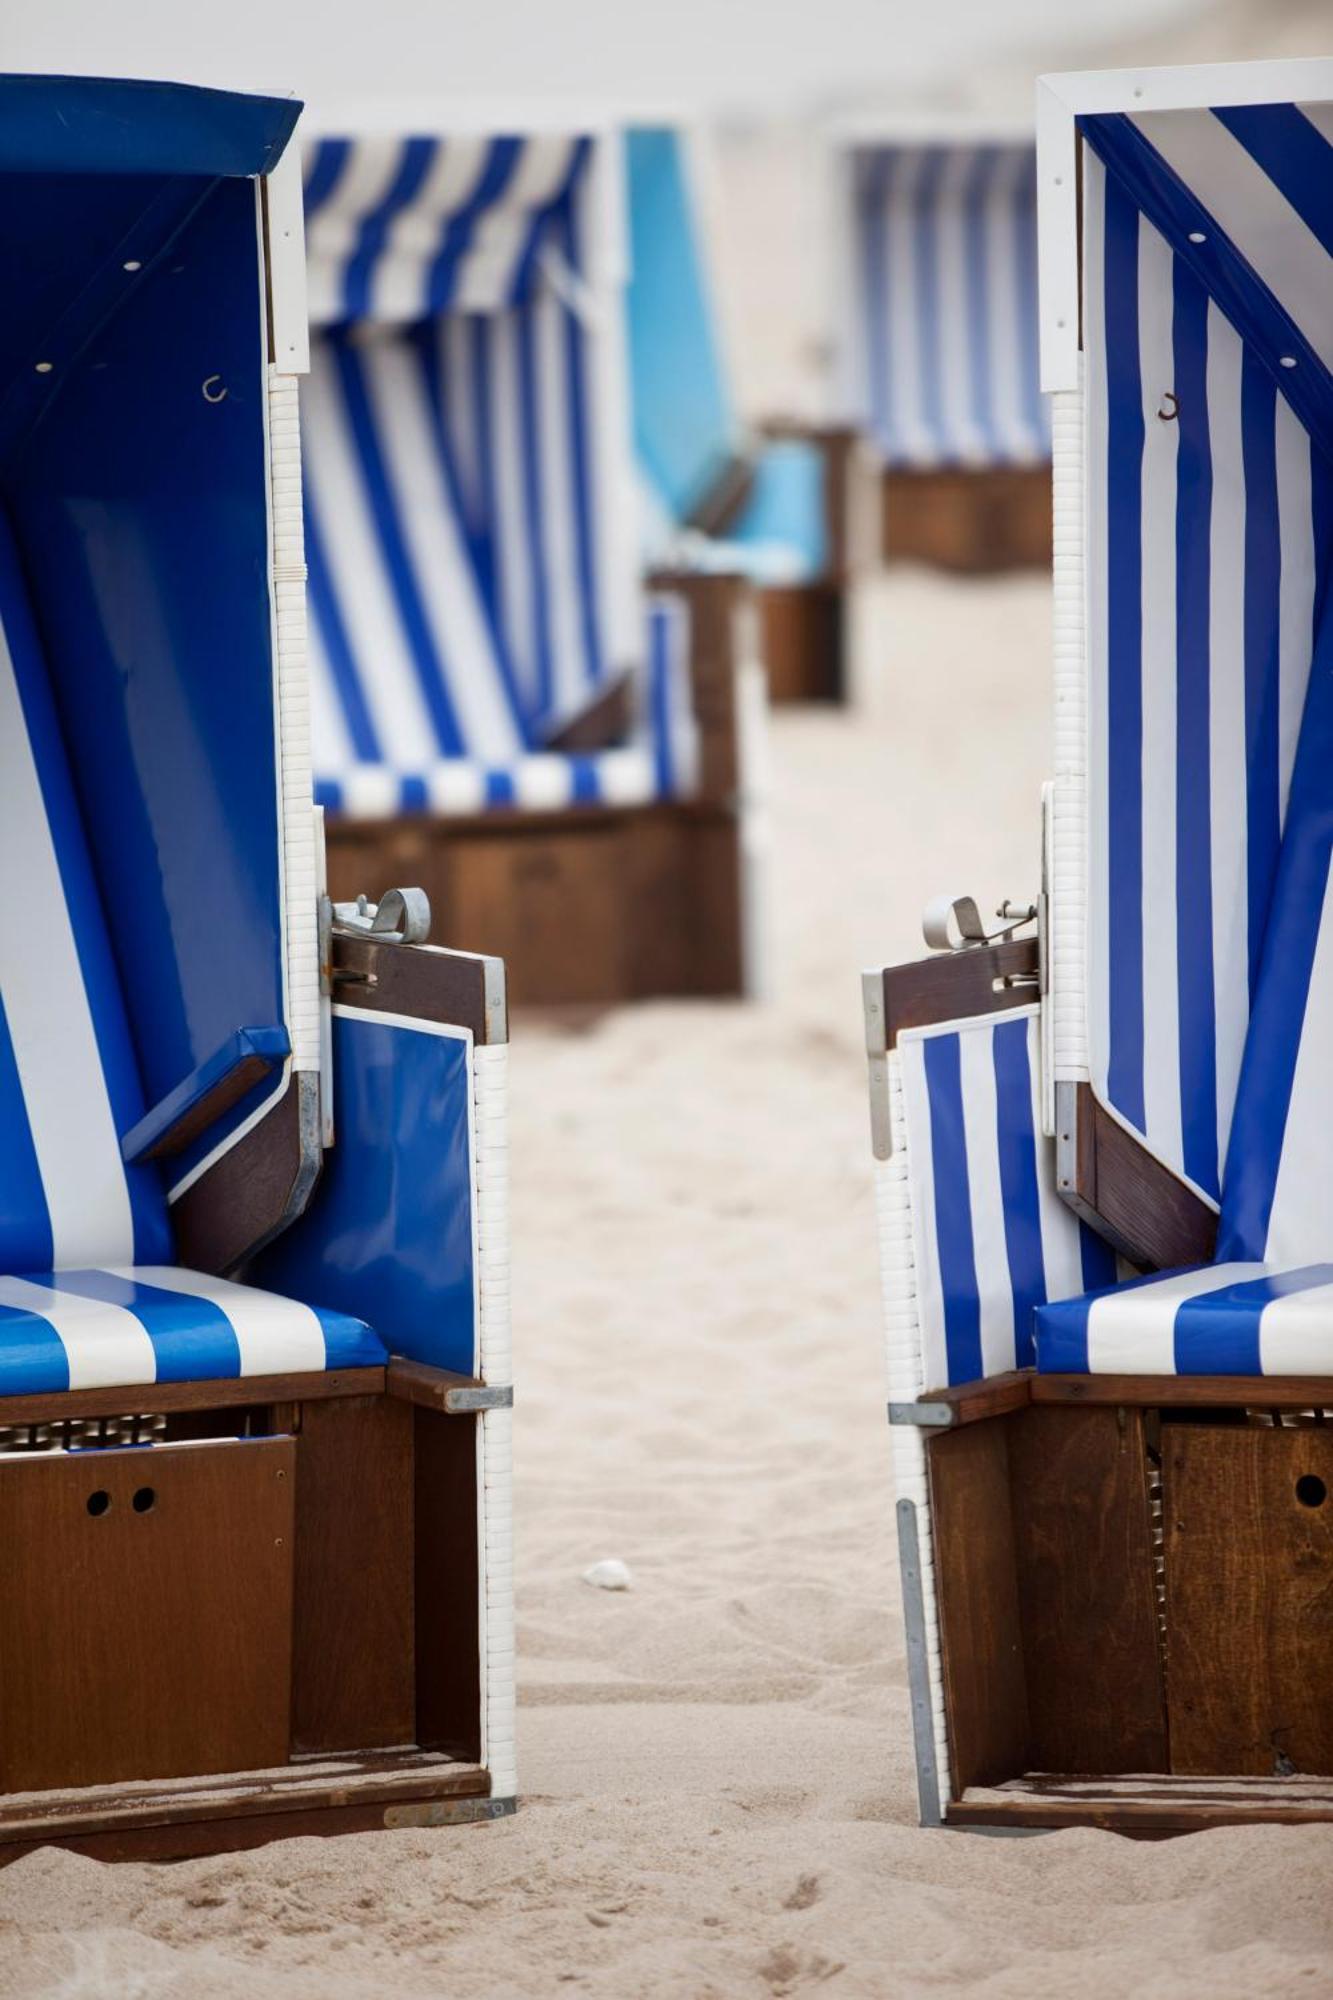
(122, 1326)
(1217, 1319)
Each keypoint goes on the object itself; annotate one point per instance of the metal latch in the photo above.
(402, 916)
(954, 923)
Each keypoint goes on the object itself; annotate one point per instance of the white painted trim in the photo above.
(495, 1464)
(290, 327)
(1063, 98)
(1065, 1012)
(490, 1086)
(903, 1359)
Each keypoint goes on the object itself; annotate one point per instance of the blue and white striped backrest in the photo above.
(943, 333)
(1209, 538)
(68, 1086)
(469, 504)
(991, 1238)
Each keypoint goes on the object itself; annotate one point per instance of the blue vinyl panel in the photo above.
(388, 1234)
(685, 427)
(140, 511)
(115, 125)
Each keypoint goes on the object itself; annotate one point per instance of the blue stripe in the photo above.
(492, 554)
(1097, 1259)
(1124, 532)
(1263, 576)
(502, 158)
(500, 789)
(329, 794)
(33, 1360)
(583, 471)
(413, 796)
(25, 1224)
(529, 446)
(953, 1212)
(407, 596)
(1294, 154)
(1017, 1143)
(1273, 1043)
(414, 164)
(1217, 1333)
(660, 660)
(330, 157)
(193, 1339)
(1194, 871)
(337, 646)
(585, 779)
(522, 283)
(925, 251)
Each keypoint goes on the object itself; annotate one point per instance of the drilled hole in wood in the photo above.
(144, 1500)
(1311, 1490)
(99, 1502)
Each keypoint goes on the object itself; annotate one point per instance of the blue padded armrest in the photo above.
(389, 1236)
(186, 1112)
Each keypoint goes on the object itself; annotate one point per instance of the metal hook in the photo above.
(212, 395)
(1169, 416)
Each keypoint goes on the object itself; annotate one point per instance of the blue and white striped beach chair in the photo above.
(1142, 1645)
(225, 1359)
(937, 355)
(480, 641)
(784, 510)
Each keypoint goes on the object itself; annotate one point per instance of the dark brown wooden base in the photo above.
(263, 1622)
(586, 908)
(1135, 1576)
(801, 640)
(977, 521)
(170, 1822)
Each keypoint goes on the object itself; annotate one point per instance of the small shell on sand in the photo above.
(610, 1574)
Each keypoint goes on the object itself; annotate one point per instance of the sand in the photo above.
(718, 1796)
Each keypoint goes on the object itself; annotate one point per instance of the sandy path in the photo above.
(716, 1765)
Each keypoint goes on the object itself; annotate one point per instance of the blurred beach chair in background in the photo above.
(254, 1385)
(793, 510)
(500, 714)
(1116, 1500)
(937, 354)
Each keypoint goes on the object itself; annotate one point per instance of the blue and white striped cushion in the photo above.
(944, 333)
(1217, 1319)
(68, 1086)
(992, 1240)
(117, 1327)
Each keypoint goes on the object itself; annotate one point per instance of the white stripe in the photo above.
(486, 273)
(274, 1334)
(930, 1297)
(1228, 837)
(440, 562)
(1296, 588)
(1010, 365)
(510, 527)
(1161, 1017)
(544, 783)
(1133, 1332)
(976, 1048)
(1252, 210)
(331, 748)
(375, 632)
(366, 177)
(1296, 1333)
(903, 333)
(1298, 1226)
(571, 684)
(1095, 503)
(50, 1021)
(105, 1345)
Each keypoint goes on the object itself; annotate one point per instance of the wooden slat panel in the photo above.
(1215, 1392)
(352, 1661)
(1249, 1573)
(1140, 1206)
(984, 1684)
(448, 1583)
(145, 1642)
(955, 985)
(1083, 1551)
(165, 1398)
